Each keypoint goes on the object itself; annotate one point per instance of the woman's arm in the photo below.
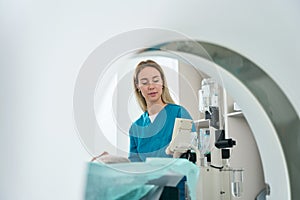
(133, 150)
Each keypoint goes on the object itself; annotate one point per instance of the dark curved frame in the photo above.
(279, 109)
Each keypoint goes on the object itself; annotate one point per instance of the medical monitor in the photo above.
(181, 136)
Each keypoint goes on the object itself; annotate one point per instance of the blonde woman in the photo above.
(151, 134)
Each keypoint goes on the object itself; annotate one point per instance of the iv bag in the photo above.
(204, 141)
(208, 94)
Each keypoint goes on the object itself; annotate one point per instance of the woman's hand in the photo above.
(178, 151)
(108, 158)
(102, 154)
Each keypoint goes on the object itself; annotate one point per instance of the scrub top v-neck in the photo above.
(150, 139)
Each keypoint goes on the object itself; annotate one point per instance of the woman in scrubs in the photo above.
(151, 134)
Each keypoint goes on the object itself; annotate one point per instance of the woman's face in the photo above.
(150, 83)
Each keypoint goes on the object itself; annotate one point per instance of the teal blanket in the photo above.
(135, 180)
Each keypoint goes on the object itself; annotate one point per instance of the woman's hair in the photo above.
(166, 97)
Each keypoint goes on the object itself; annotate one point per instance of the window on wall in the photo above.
(104, 115)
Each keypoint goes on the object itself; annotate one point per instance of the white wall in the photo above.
(246, 155)
(44, 43)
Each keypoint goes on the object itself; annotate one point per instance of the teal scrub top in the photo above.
(151, 139)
